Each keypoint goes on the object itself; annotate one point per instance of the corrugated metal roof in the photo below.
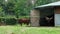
(50, 4)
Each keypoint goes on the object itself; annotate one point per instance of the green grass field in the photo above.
(29, 30)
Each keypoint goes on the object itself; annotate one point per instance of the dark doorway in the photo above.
(47, 17)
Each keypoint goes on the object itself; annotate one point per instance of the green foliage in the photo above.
(42, 2)
(1, 9)
(10, 21)
(21, 9)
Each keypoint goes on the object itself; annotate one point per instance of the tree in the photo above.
(21, 8)
(1, 11)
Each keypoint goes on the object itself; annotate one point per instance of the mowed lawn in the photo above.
(29, 30)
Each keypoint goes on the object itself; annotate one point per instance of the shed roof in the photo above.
(49, 5)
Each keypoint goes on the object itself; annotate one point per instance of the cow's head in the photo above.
(48, 18)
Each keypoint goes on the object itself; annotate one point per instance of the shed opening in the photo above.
(47, 17)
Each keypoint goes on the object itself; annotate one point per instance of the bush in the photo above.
(11, 21)
(8, 21)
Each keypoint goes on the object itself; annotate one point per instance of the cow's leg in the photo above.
(21, 24)
(27, 23)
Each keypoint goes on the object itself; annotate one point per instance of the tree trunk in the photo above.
(35, 17)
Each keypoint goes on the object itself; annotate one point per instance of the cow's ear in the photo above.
(51, 18)
(47, 18)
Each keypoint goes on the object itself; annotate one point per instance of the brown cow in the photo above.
(24, 20)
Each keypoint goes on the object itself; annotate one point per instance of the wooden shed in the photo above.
(40, 12)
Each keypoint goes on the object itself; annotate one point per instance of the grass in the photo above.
(28, 30)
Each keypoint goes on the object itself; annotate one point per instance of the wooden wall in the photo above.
(57, 10)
